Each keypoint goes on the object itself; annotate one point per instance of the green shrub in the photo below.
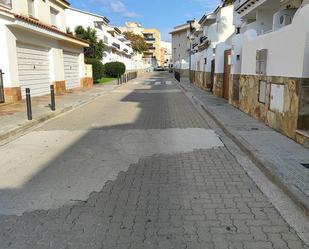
(97, 68)
(113, 69)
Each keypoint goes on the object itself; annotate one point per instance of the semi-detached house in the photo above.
(36, 50)
(255, 55)
(271, 66)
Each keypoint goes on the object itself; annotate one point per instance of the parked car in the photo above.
(159, 68)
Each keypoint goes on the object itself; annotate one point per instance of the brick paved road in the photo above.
(194, 199)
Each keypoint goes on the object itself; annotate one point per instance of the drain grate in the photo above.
(254, 129)
(306, 165)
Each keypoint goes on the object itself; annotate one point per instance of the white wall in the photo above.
(179, 50)
(288, 48)
(237, 43)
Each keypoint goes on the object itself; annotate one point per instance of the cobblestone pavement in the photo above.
(197, 199)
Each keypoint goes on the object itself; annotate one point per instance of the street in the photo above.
(138, 167)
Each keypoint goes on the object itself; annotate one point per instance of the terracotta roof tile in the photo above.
(41, 25)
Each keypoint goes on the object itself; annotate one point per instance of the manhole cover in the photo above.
(306, 165)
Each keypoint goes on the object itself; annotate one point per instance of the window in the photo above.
(31, 8)
(261, 61)
(105, 39)
(6, 3)
(54, 17)
(262, 91)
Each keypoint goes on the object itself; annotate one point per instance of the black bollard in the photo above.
(28, 102)
(52, 98)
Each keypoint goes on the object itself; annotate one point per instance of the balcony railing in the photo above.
(239, 3)
(150, 38)
(116, 45)
(6, 3)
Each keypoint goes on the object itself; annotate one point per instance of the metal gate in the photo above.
(1, 88)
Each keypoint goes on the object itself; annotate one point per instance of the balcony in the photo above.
(116, 45)
(6, 3)
(242, 6)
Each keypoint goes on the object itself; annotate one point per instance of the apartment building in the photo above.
(181, 48)
(117, 47)
(151, 57)
(36, 50)
(166, 54)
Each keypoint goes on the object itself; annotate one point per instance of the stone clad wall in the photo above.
(60, 87)
(201, 79)
(303, 119)
(218, 85)
(234, 90)
(285, 121)
(183, 72)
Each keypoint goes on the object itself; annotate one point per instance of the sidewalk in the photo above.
(13, 117)
(279, 157)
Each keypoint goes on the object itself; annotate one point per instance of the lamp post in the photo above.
(190, 51)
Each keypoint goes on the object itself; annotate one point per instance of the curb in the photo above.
(264, 165)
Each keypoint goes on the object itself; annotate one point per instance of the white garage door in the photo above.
(71, 70)
(33, 69)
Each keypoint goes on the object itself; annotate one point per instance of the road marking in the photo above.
(157, 83)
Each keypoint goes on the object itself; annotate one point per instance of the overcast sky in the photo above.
(160, 14)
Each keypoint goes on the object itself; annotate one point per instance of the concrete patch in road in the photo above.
(54, 168)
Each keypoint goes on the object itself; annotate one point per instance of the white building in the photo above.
(117, 47)
(166, 53)
(181, 47)
(272, 64)
(210, 40)
(36, 50)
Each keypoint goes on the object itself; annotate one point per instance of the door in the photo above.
(227, 72)
(1, 88)
(33, 69)
(71, 70)
(212, 75)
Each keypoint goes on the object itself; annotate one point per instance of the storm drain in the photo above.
(306, 165)
(254, 129)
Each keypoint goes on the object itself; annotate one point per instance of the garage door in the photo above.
(33, 69)
(71, 70)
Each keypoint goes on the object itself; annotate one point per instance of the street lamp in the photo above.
(190, 42)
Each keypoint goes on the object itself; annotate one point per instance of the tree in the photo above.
(228, 2)
(139, 44)
(96, 46)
